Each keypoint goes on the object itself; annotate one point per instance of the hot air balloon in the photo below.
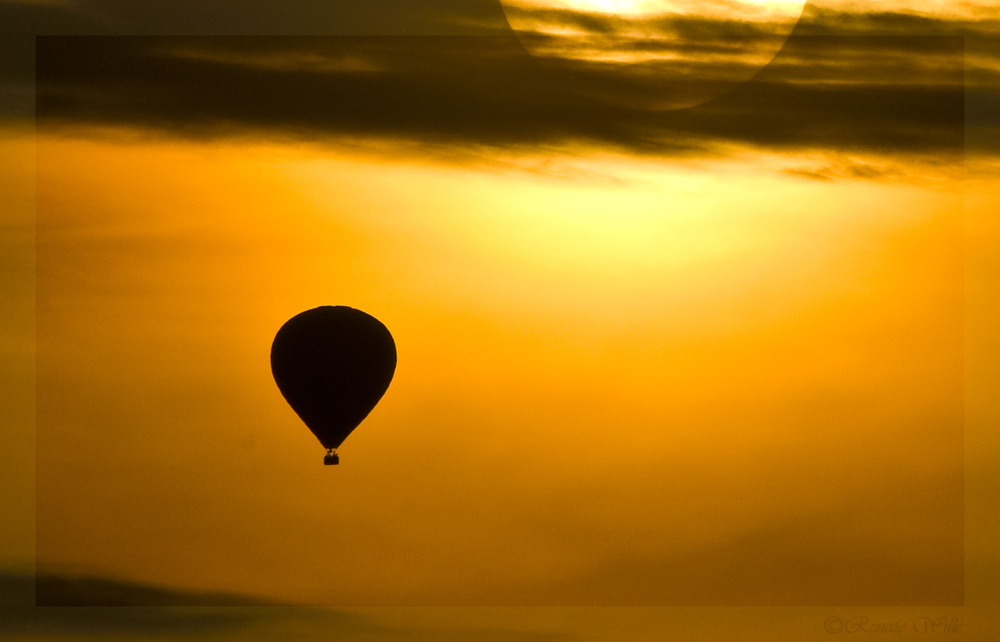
(333, 364)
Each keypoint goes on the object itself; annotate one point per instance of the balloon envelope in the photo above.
(333, 364)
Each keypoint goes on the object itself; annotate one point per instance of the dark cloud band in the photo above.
(885, 94)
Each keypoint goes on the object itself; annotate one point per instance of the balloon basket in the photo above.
(331, 459)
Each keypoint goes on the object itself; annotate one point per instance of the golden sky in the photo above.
(600, 384)
(733, 355)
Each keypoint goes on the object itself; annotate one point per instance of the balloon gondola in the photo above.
(333, 364)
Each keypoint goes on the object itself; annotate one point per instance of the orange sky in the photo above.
(668, 374)
(606, 389)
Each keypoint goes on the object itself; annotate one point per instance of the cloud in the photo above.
(257, 17)
(901, 21)
(158, 612)
(873, 94)
(849, 169)
(20, 617)
(65, 590)
(21, 21)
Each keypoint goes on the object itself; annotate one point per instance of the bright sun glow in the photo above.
(621, 7)
(655, 7)
(663, 63)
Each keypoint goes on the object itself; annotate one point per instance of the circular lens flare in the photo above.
(653, 54)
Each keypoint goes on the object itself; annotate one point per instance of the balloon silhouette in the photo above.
(333, 364)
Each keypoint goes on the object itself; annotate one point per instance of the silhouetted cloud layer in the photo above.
(976, 22)
(62, 590)
(880, 94)
(201, 616)
(22, 20)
